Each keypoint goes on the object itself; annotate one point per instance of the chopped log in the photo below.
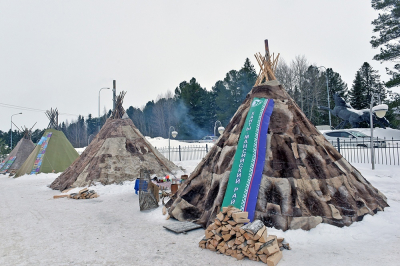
(227, 237)
(243, 220)
(264, 237)
(231, 243)
(274, 259)
(252, 251)
(240, 215)
(247, 236)
(232, 210)
(226, 209)
(217, 222)
(233, 223)
(208, 234)
(220, 216)
(271, 249)
(253, 227)
(238, 242)
(251, 242)
(240, 256)
(218, 237)
(260, 233)
(60, 196)
(263, 258)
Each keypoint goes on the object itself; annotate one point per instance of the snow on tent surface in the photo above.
(59, 154)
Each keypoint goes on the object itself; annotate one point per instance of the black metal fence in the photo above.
(386, 152)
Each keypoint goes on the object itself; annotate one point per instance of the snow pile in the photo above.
(80, 150)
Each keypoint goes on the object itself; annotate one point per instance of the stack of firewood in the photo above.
(228, 235)
(82, 194)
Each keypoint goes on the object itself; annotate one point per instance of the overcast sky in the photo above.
(60, 53)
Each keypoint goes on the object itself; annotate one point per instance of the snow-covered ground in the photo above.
(36, 229)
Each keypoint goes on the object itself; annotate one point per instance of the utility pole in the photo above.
(114, 93)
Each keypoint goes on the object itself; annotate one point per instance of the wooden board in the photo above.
(182, 227)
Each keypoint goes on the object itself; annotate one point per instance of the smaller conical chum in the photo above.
(53, 153)
(18, 155)
(116, 154)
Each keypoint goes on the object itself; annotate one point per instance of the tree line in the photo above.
(193, 111)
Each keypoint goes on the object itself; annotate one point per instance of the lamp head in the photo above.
(380, 110)
(221, 130)
(174, 133)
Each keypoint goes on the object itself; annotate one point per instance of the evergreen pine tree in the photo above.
(193, 110)
(370, 80)
(357, 94)
(388, 26)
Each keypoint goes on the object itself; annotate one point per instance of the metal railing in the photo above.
(185, 153)
(386, 151)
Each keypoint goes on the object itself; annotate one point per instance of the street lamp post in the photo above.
(98, 120)
(220, 128)
(327, 91)
(380, 111)
(173, 133)
(11, 128)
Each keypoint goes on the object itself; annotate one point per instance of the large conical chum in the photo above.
(116, 154)
(286, 173)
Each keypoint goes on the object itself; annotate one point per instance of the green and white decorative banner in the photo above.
(245, 177)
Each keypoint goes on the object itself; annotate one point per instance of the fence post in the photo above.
(180, 153)
(206, 148)
(338, 144)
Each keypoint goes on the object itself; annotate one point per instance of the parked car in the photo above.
(208, 139)
(352, 138)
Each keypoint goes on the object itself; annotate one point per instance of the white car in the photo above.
(352, 138)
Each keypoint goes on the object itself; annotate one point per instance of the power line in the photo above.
(29, 109)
